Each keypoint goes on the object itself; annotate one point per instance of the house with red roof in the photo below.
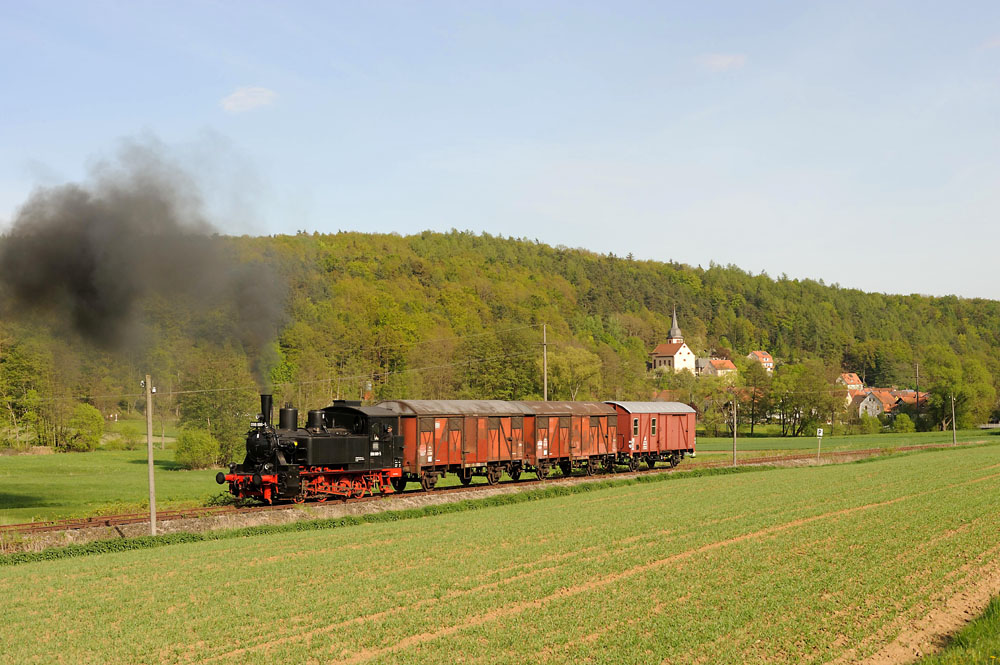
(764, 358)
(851, 381)
(719, 367)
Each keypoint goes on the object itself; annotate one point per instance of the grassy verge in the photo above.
(976, 644)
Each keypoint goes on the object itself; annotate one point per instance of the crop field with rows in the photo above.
(798, 565)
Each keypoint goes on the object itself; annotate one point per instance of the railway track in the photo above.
(206, 511)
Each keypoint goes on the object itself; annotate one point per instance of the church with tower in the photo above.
(674, 355)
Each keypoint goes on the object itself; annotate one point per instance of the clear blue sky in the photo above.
(857, 142)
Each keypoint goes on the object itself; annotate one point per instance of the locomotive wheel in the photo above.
(398, 484)
(322, 498)
(428, 481)
(633, 464)
(651, 462)
(515, 474)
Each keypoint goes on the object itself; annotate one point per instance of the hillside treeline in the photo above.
(459, 315)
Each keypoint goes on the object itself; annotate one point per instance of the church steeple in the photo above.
(675, 331)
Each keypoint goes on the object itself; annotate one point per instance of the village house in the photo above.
(764, 358)
(674, 355)
(719, 367)
(851, 381)
(864, 403)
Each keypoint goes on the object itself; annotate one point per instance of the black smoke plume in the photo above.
(93, 254)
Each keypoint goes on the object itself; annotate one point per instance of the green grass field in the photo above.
(799, 565)
(852, 442)
(43, 487)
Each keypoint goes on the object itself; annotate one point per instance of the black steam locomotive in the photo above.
(345, 450)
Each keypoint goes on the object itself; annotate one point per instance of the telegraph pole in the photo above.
(954, 433)
(734, 429)
(149, 455)
(545, 364)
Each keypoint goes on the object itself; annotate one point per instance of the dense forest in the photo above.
(460, 315)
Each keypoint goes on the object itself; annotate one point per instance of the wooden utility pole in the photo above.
(545, 364)
(954, 433)
(734, 429)
(149, 455)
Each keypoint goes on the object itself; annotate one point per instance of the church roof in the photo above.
(667, 349)
(675, 330)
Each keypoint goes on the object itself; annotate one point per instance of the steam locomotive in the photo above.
(350, 450)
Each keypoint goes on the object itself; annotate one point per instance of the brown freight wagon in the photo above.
(572, 435)
(654, 431)
(465, 437)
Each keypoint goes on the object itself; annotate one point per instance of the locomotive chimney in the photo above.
(265, 408)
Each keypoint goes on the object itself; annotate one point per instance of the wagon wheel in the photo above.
(651, 462)
(633, 464)
(428, 481)
(591, 467)
(465, 478)
(542, 471)
(566, 468)
(674, 460)
(609, 465)
(493, 475)
(515, 474)
(398, 484)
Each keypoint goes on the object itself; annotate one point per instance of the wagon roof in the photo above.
(569, 408)
(653, 407)
(456, 407)
(367, 410)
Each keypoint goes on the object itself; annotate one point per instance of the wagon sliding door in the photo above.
(517, 437)
(542, 444)
(596, 435)
(567, 445)
(425, 447)
(493, 439)
(454, 441)
(469, 441)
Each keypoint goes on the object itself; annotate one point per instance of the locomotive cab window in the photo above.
(635, 427)
(652, 426)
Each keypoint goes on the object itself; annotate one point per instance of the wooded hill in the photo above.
(459, 315)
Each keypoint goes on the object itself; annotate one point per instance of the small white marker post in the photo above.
(819, 441)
